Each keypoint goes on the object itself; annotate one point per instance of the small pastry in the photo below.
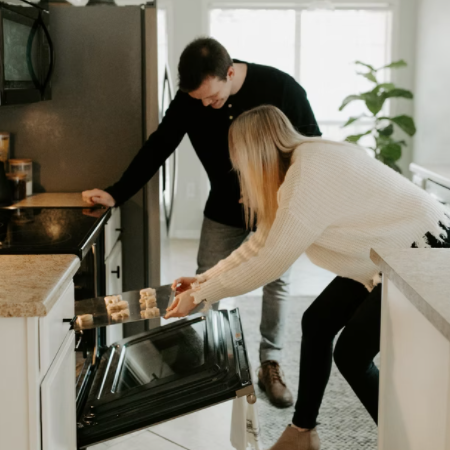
(113, 299)
(123, 314)
(148, 292)
(148, 302)
(114, 307)
(85, 319)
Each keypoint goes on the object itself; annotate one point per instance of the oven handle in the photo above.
(71, 321)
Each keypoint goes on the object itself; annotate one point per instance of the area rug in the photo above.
(344, 423)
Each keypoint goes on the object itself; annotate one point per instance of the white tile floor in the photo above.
(210, 428)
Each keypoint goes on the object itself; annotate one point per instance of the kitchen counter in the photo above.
(52, 200)
(423, 276)
(438, 173)
(414, 399)
(31, 284)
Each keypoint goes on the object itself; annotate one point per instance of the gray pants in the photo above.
(218, 241)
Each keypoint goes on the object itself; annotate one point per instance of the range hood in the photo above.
(79, 3)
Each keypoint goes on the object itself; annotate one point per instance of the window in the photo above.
(318, 48)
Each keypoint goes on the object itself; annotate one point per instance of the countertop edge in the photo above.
(41, 308)
(413, 296)
(60, 286)
(431, 173)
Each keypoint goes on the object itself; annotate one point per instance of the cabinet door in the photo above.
(112, 231)
(58, 400)
(113, 266)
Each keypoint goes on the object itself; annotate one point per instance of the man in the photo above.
(213, 91)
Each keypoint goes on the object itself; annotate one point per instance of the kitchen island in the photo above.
(415, 349)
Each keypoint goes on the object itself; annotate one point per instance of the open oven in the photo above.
(171, 370)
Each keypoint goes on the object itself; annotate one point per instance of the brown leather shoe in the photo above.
(293, 439)
(271, 381)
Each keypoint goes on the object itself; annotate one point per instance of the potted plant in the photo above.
(386, 148)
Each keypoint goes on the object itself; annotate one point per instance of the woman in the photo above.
(334, 202)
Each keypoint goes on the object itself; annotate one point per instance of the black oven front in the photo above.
(26, 54)
(169, 371)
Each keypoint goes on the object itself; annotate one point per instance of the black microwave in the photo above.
(26, 53)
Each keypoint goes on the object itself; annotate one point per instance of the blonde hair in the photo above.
(261, 143)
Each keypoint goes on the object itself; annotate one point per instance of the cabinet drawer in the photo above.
(112, 231)
(52, 329)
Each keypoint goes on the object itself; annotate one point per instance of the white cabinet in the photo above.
(114, 274)
(58, 400)
(37, 390)
(53, 329)
(112, 231)
(414, 410)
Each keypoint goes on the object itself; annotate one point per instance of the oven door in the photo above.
(167, 372)
(26, 54)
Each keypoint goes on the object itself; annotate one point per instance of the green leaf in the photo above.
(349, 99)
(371, 68)
(382, 141)
(391, 151)
(354, 138)
(391, 164)
(387, 131)
(370, 76)
(373, 101)
(396, 92)
(406, 123)
(387, 86)
(351, 120)
(395, 65)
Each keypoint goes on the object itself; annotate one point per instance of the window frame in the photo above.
(302, 5)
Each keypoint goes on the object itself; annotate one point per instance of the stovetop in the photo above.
(29, 231)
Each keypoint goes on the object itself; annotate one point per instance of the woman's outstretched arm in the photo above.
(287, 239)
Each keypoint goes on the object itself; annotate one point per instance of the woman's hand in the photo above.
(98, 197)
(181, 306)
(183, 284)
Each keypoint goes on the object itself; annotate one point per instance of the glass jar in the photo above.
(4, 146)
(18, 183)
(23, 166)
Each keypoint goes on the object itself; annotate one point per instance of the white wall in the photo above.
(404, 47)
(188, 19)
(432, 105)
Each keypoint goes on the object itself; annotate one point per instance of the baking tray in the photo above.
(97, 307)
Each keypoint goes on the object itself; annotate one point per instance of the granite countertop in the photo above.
(52, 199)
(438, 173)
(423, 276)
(31, 284)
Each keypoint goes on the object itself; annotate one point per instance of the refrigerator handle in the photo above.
(168, 210)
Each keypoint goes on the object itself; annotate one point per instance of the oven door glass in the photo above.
(164, 373)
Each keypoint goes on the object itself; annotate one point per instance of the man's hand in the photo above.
(98, 197)
(181, 306)
(183, 284)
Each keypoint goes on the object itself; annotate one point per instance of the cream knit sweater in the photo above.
(335, 204)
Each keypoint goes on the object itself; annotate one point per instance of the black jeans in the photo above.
(344, 304)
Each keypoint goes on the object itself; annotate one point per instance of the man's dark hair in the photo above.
(201, 59)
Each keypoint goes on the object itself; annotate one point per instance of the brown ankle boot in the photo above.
(271, 381)
(293, 439)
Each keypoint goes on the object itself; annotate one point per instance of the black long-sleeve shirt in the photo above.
(207, 129)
